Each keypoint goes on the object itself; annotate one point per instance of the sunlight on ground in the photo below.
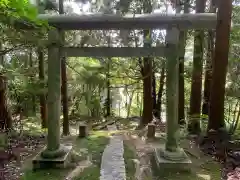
(33, 126)
(204, 176)
(95, 144)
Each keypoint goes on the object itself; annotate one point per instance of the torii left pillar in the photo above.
(55, 155)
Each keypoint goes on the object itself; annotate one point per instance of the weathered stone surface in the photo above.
(161, 164)
(113, 166)
(151, 130)
(83, 130)
(60, 162)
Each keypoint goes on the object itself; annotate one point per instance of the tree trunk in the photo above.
(108, 102)
(25, 97)
(64, 97)
(220, 62)
(147, 74)
(2, 56)
(208, 67)
(181, 91)
(196, 86)
(64, 80)
(141, 105)
(32, 79)
(160, 93)
(5, 115)
(130, 103)
(147, 92)
(154, 94)
(42, 97)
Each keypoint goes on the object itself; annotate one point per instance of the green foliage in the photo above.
(95, 144)
(12, 10)
(3, 141)
(18, 8)
(129, 157)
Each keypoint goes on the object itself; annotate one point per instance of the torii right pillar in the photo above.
(170, 157)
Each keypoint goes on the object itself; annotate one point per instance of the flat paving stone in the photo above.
(112, 165)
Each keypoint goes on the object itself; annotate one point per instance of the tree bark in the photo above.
(130, 103)
(42, 97)
(182, 46)
(1, 56)
(66, 130)
(154, 94)
(181, 92)
(32, 79)
(147, 92)
(208, 67)
(147, 74)
(196, 86)
(108, 102)
(5, 115)
(220, 62)
(64, 97)
(160, 93)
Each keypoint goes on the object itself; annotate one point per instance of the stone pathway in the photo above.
(113, 166)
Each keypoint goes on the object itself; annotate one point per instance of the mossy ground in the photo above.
(207, 171)
(94, 144)
(203, 167)
(129, 155)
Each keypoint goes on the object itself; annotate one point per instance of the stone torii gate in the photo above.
(172, 23)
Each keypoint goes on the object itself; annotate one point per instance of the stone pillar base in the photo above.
(59, 160)
(169, 162)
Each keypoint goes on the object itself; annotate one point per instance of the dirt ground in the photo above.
(203, 167)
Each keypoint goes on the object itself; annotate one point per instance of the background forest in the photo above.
(98, 89)
(118, 86)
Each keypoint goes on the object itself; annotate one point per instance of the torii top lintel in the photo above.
(137, 21)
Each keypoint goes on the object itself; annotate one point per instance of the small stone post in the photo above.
(83, 130)
(151, 130)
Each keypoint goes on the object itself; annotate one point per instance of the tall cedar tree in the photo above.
(208, 66)
(147, 74)
(64, 79)
(196, 86)
(220, 62)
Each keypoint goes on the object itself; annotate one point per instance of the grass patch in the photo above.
(50, 174)
(207, 171)
(129, 155)
(95, 145)
(127, 124)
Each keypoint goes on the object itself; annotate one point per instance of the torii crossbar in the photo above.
(137, 21)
